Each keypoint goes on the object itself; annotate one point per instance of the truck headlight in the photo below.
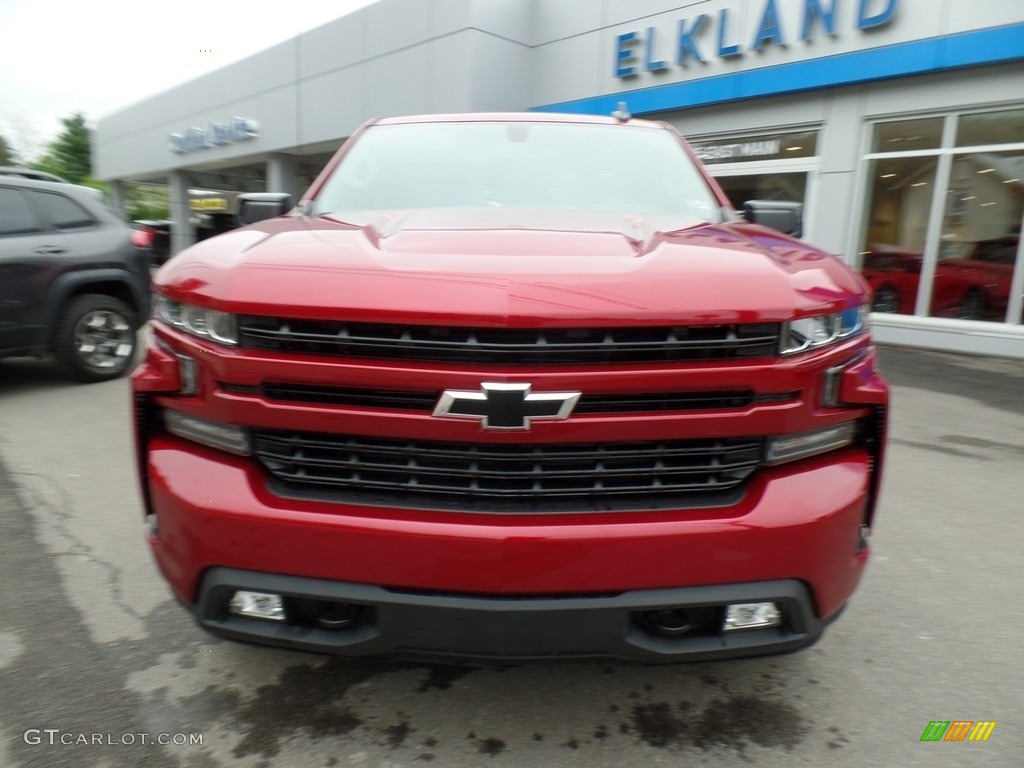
(211, 324)
(822, 330)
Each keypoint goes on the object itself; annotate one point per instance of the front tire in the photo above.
(95, 338)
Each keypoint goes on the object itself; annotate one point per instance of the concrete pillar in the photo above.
(183, 234)
(282, 175)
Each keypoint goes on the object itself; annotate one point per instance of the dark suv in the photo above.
(72, 284)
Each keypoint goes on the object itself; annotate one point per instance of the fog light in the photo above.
(259, 605)
(751, 616)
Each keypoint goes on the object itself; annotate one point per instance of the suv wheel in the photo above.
(95, 338)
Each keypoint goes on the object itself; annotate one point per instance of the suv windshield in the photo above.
(556, 166)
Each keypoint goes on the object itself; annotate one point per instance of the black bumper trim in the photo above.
(489, 629)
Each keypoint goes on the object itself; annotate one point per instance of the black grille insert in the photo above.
(425, 401)
(510, 346)
(530, 476)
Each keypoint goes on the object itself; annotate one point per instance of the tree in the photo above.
(7, 154)
(147, 201)
(70, 154)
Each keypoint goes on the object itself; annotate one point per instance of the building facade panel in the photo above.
(512, 20)
(568, 18)
(332, 47)
(408, 77)
(332, 105)
(490, 86)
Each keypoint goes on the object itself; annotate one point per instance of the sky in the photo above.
(58, 57)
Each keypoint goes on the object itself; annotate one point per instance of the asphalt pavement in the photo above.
(98, 664)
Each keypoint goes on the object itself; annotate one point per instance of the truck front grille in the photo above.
(525, 477)
(510, 346)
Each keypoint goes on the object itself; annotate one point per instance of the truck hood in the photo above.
(506, 267)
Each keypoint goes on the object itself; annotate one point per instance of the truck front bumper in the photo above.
(446, 584)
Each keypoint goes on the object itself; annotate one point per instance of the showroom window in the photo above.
(941, 235)
(776, 166)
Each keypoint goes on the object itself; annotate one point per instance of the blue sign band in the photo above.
(967, 49)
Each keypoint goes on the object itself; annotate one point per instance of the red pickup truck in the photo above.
(511, 387)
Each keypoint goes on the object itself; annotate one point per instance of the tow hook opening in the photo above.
(673, 623)
(336, 616)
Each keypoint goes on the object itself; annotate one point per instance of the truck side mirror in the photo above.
(783, 216)
(258, 206)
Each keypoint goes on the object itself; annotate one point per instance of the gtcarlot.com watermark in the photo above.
(57, 737)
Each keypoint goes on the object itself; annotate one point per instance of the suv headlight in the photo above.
(211, 324)
(822, 330)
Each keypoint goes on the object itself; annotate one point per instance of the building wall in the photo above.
(410, 56)
(740, 56)
(392, 57)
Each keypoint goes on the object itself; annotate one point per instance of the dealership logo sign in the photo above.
(505, 406)
(716, 34)
(214, 135)
(958, 730)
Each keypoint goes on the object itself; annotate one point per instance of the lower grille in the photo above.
(522, 477)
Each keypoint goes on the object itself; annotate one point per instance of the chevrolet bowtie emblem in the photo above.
(505, 406)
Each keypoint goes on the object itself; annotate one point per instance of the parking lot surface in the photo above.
(98, 664)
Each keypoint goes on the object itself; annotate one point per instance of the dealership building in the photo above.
(898, 123)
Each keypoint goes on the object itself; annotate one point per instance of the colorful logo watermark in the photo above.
(958, 730)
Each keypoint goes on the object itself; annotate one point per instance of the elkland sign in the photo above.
(705, 36)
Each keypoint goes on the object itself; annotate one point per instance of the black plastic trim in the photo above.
(510, 346)
(546, 505)
(355, 397)
(492, 629)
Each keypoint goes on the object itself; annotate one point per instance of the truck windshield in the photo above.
(628, 170)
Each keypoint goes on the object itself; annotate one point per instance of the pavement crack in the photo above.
(58, 513)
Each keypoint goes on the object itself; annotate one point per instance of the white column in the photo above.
(282, 172)
(183, 234)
